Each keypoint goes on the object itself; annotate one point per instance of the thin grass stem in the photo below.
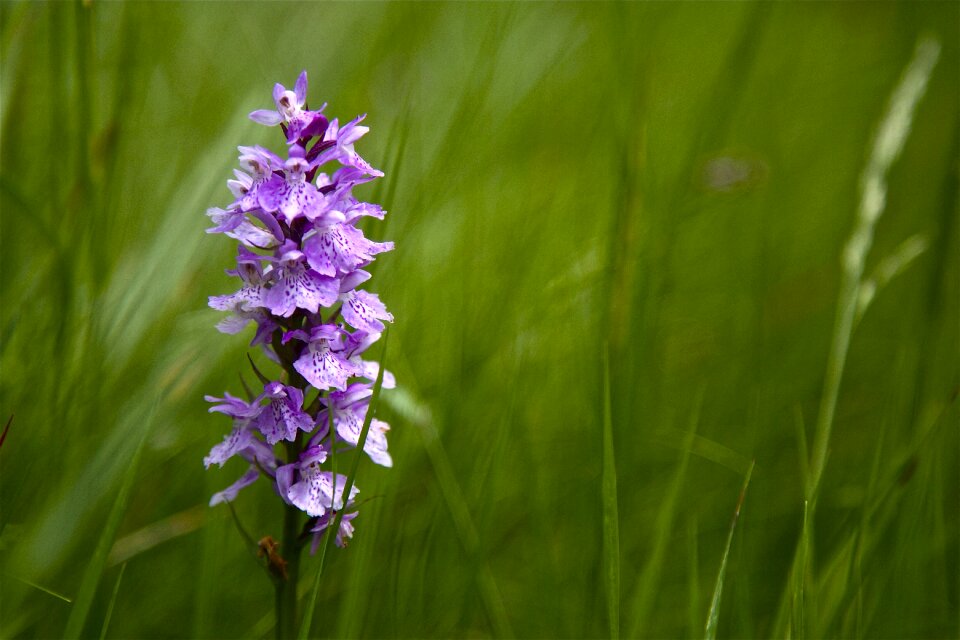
(94, 570)
(713, 617)
(334, 526)
(608, 498)
(113, 601)
(887, 145)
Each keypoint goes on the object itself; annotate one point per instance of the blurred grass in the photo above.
(677, 180)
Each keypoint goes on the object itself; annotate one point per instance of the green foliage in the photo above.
(675, 180)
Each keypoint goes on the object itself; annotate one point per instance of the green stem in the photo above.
(286, 599)
(290, 547)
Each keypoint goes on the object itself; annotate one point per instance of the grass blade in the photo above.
(113, 601)
(713, 617)
(798, 608)
(646, 584)
(611, 520)
(420, 416)
(693, 591)
(5, 430)
(331, 533)
(94, 571)
(49, 592)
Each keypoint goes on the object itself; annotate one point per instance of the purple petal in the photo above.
(364, 311)
(268, 117)
(271, 193)
(235, 442)
(230, 493)
(375, 445)
(247, 298)
(232, 324)
(284, 479)
(278, 91)
(270, 223)
(253, 236)
(300, 88)
(224, 219)
(302, 288)
(314, 493)
(370, 370)
(365, 209)
(323, 368)
(282, 419)
(345, 533)
(233, 406)
(353, 280)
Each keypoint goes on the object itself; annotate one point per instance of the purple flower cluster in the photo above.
(301, 259)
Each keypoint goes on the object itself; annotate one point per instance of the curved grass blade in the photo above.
(406, 404)
(94, 571)
(49, 592)
(645, 588)
(611, 520)
(331, 533)
(113, 601)
(710, 631)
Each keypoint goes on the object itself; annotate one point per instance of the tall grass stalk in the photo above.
(887, 145)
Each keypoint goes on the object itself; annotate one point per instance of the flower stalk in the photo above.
(301, 261)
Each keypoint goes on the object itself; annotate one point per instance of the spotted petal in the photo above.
(236, 441)
(299, 287)
(364, 311)
(323, 368)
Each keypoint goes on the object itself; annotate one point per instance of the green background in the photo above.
(672, 183)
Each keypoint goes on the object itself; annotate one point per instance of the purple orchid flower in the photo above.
(314, 491)
(291, 195)
(349, 410)
(291, 109)
(364, 311)
(326, 520)
(296, 285)
(301, 258)
(240, 442)
(283, 417)
(234, 224)
(324, 363)
(254, 278)
(339, 249)
(261, 164)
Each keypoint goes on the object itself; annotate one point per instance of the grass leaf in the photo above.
(113, 601)
(611, 519)
(646, 586)
(713, 617)
(94, 570)
(334, 527)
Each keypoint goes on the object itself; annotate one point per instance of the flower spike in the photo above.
(301, 256)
